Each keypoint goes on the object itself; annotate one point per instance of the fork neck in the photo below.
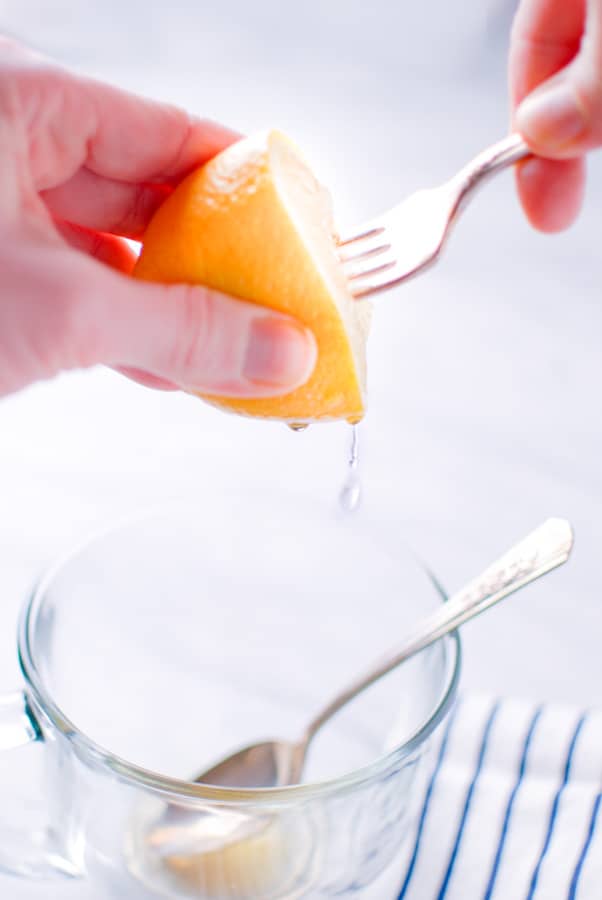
(500, 156)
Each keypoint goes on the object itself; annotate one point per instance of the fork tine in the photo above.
(364, 268)
(377, 280)
(363, 249)
(368, 230)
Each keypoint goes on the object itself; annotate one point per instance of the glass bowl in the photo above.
(160, 646)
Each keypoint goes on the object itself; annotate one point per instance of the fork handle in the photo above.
(505, 153)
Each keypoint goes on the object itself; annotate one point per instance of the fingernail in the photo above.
(280, 352)
(550, 117)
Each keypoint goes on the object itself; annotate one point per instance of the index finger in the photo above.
(113, 133)
(546, 36)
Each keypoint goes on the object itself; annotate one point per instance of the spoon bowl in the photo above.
(259, 765)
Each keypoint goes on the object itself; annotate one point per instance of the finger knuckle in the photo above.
(587, 83)
(193, 339)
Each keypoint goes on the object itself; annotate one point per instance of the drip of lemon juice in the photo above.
(351, 492)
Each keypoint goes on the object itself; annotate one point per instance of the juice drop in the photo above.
(351, 492)
(298, 426)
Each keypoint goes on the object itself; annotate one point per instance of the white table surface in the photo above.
(485, 376)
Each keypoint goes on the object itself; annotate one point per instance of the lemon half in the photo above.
(255, 223)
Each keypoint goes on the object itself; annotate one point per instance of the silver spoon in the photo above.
(280, 762)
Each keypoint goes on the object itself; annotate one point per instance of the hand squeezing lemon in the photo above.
(255, 223)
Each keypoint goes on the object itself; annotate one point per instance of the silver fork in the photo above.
(409, 238)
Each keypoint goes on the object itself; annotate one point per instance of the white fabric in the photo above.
(511, 811)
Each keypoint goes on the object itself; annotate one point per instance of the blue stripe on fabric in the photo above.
(468, 800)
(427, 802)
(555, 807)
(585, 849)
(522, 768)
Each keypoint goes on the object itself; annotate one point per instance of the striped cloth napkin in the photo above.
(511, 810)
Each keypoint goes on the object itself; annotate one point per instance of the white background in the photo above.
(485, 375)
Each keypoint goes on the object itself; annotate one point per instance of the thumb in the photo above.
(562, 118)
(63, 310)
(197, 338)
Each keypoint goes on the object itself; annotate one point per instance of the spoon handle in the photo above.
(541, 551)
